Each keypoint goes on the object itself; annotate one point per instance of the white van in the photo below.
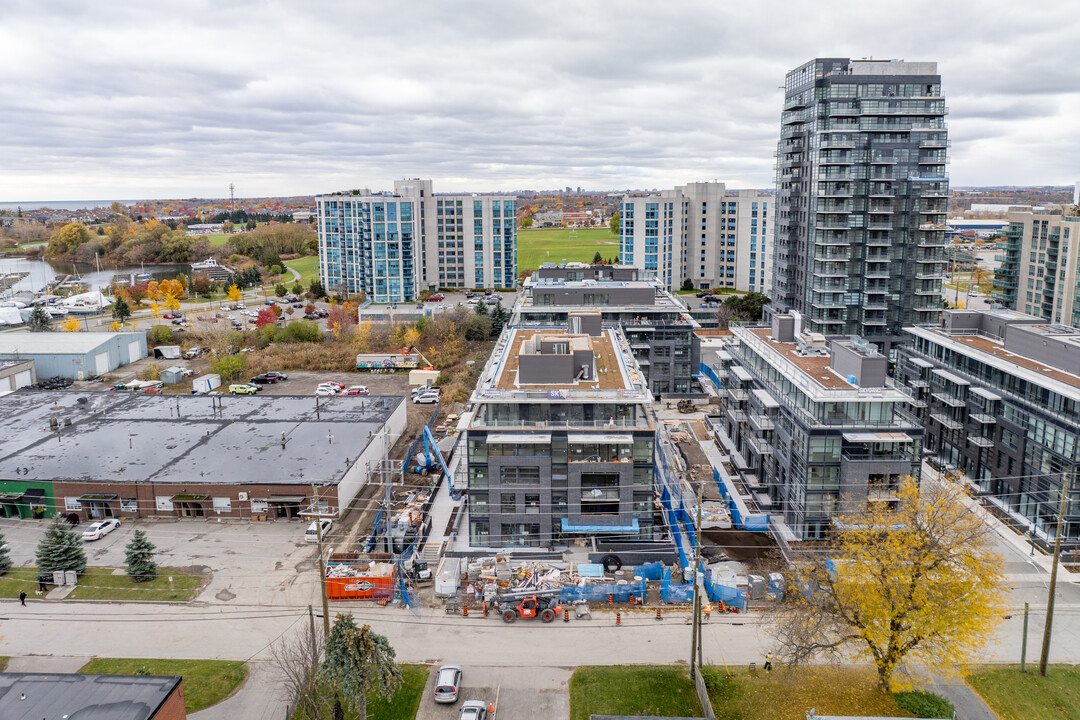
(312, 534)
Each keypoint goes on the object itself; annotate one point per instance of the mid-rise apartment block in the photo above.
(862, 197)
(813, 427)
(999, 394)
(560, 440)
(392, 246)
(656, 323)
(698, 232)
(1040, 268)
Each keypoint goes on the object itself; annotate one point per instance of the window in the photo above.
(72, 504)
(129, 505)
(519, 475)
(532, 504)
(508, 503)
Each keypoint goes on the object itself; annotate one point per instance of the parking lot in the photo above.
(253, 563)
(522, 693)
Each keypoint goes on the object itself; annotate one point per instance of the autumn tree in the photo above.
(613, 223)
(68, 238)
(71, 325)
(911, 580)
(359, 661)
(234, 294)
(266, 316)
(201, 284)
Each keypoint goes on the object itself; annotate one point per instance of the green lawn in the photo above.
(102, 584)
(632, 690)
(535, 247)
(217, 239)
(406, 700)
(1014, 695)
(789, 694)
(306, 267)
(206, 682)
(16, 579)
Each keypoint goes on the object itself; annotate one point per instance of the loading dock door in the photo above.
(23, 379)
(133, 351)
(101, 363)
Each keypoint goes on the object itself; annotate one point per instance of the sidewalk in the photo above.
(967, 704)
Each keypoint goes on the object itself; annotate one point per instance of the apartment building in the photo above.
(698, 232)
(862, 197)
(560, 441)
(394, 245)
(812, 427)
(999, 395)
(657, 324)
(1040, 268)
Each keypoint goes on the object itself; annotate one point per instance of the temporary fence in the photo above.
(650, 571)
(623, 593)
(675, 592)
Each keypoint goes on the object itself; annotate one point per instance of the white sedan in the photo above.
(100, 529)
(326, 391)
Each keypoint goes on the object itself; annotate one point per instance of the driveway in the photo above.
(523, 692)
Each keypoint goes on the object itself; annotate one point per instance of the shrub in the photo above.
(924, 704)
(160, 335)
(150, 372)
(229, 367)
(299, 331)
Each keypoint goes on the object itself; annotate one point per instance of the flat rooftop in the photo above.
(815, 367)
(61, 343)
(996, 349)
(130, 437)
(614, 362)
(94, 697)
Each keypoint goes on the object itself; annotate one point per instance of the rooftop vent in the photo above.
(811, 344)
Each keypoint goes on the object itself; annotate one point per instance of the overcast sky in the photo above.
(110, 99)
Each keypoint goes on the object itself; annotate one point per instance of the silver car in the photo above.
(474, 710)
(447, 684)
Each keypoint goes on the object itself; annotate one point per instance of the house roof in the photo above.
(85, 697)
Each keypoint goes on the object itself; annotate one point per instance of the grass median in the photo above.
(103, 584)
(632, 690)
(206, 682)
(16, 579)
(1016, 695)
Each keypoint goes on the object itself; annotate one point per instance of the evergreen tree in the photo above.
(597, 258)
(140, 558)
(60, 549)
(481, 308)
(498, 319)
(121, 311)
(5, 558)
(317, 289)
(39, 321)
(358, 662)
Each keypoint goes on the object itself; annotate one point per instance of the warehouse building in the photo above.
(91, 697)
(128, 455)
(76, 355)
(15, 374)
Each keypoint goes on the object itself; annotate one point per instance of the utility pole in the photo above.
(1045, 656)
(314, 655)
(695, 641)
(322, 567)
(1023, 645)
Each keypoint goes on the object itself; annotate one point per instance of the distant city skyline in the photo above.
(154, 101)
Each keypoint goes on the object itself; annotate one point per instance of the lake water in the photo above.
(62, 204)
(42, 272)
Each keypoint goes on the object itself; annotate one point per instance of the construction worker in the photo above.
(707, 610)
(768, 662)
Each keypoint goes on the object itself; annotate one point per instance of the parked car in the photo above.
(474, 710)
(488, 291)
(357, 390)
(312, 533)
(492, 300)
(179, 321)
(423, 389)
(169, 316)
(437, 297)
(322, 314)
(100, 529)
(193, 353)
(703, 294)
(447, 683)
(269, 302)
(325, 391)
(474, 300)
(298, 306)
(263, 379)
(428, 398)
(277, 375)
(243, 389)
(334, 384)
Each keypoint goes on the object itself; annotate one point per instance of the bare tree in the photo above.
(724, 315)
(296, 659)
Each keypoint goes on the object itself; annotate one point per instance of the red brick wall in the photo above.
(173, 708)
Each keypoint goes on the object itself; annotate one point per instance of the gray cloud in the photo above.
(179, 99)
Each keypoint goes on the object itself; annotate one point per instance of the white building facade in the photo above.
(699, 232)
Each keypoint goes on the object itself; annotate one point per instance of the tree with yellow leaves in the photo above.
(171, 291)
(910, 581)
(234, 294)
(363, 336)
(116, 326)
(71, 325)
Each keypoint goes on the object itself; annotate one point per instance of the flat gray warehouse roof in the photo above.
(94, 697)
(128, 437)
(61, 343)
